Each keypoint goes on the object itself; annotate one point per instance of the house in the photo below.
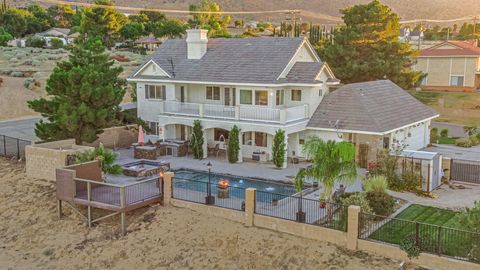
(450, 66)
(150, 43)
(404, 34)
(61, 33)
(265, 84)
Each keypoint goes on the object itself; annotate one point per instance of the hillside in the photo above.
(407, 9)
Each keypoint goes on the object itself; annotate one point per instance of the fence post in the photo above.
(250, 194)
(18, 149)
(122, 213)
(4, 146)
(352, 226)
(417, 232)
(167, 187)
(439, 233)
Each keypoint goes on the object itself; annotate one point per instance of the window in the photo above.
(386, 142)
(213, 92)
(456, 80)
(424, 80)
(153, 128)
(301, 138)
(260, 139)
(296, 95)
(246, 97)
(247, 138)
(155, 92)
(280, 98)
(320, 92)
(220, 134)
(261, 97)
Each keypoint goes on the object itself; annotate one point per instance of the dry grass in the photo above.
(158, 238)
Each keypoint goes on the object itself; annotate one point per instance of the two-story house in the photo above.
(261, 85)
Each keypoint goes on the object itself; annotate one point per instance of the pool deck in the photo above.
(265, 171)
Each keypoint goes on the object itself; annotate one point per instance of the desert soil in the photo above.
(159, 237)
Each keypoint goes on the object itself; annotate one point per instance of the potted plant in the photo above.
(299, 181)
(274, 201)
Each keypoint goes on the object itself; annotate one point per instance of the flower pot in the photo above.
(301, 216)
(322, 204)
(274, 202)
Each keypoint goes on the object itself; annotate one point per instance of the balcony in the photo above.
(237, 113)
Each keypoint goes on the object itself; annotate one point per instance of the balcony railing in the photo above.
(239, 113)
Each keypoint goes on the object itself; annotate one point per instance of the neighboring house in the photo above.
(404, 34)
(150, 43)
(61, 33)
(450, 66)
(265, 84)
(415, 35)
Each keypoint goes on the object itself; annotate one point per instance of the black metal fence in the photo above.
(465, 171)
(296, 208)
(443, 241)
(13, 147)
(212, 194)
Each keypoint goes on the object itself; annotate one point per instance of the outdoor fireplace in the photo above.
(223, 189)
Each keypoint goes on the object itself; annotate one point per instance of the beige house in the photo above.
(450, 66)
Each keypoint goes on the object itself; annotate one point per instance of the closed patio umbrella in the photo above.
(140, 135)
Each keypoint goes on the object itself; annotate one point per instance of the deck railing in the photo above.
(117, 195)
(239, 113)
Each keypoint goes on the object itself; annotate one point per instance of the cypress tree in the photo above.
(278, 148)
(84, 94)
(196, 143)
(233, 144)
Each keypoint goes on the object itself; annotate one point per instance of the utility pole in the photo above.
(474, 34)
(293, 18)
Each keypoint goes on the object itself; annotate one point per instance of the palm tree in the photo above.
(332, 162)
(106, 157)
(299, 181)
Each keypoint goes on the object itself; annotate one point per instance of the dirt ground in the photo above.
(24, 72)
(32, 237)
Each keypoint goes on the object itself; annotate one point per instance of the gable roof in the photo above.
(371, 107)
(234, 60)
(458, 48)
(55, 31)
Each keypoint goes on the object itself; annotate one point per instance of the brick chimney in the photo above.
(196, 43)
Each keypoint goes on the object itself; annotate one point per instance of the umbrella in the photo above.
(140, 135)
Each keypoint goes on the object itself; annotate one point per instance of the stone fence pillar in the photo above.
(250, 194)
(167, 187)
(352, 228)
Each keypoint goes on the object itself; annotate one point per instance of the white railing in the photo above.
(296, 113)
(182, 108)
(218, 111)
(262, 114)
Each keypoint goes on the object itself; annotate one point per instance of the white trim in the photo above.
(370, 132)
(225, 83)
(250, 122)
(449, 56)
(312, 52)
(146, 64)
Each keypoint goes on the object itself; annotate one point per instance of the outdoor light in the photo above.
(209, 199)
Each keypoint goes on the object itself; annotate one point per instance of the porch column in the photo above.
(205, 144)
(240, 143)
(161, 132)
(285, 161)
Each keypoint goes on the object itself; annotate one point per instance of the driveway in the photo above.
(22, 128)
(456, 152)
(454, 130)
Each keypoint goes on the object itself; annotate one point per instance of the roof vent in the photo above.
(196, 43)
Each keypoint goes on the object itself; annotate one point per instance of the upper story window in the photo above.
(280, 97)
(456, 80)
(246, 97)
(261, 97)
(155, 92)
(213, 93)
(296, 95)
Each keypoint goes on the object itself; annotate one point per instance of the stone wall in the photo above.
(42, 159)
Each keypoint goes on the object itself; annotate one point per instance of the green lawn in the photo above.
(447, 140)
(445, 240)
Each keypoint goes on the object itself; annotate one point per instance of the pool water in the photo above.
(236, 182)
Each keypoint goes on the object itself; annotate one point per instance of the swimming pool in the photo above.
(194, 180)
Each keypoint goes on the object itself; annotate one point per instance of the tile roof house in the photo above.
(262, 85)
(451, 66)
(61, 33)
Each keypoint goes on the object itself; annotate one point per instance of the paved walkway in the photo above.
(456, 152)
(22, 128)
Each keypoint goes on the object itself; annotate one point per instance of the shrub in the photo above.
(106, 157)
(56, 43)
(357, 199)
(444, 133)
(278, 148)
(463, 142)
(27, 82)
(17, 74)
(375, 183)
(5, 37)
(474, 140)
(35, 42)
(433, 135)
(196, 143)
(380, 202)
(409, 181)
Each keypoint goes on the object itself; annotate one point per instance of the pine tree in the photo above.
(367, 47)
(196, 143)
(84, 94)
(278, 148)
(233, 144)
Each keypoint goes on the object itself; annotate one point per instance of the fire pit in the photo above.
(223, 189)
(145, 168)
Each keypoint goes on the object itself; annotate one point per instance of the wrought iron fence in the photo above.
(443, 241)
(13, 147)
(212, 194)
(296, 208)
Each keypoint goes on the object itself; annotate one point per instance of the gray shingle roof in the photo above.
(235, 60)
(303, 72)
(376, 106)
